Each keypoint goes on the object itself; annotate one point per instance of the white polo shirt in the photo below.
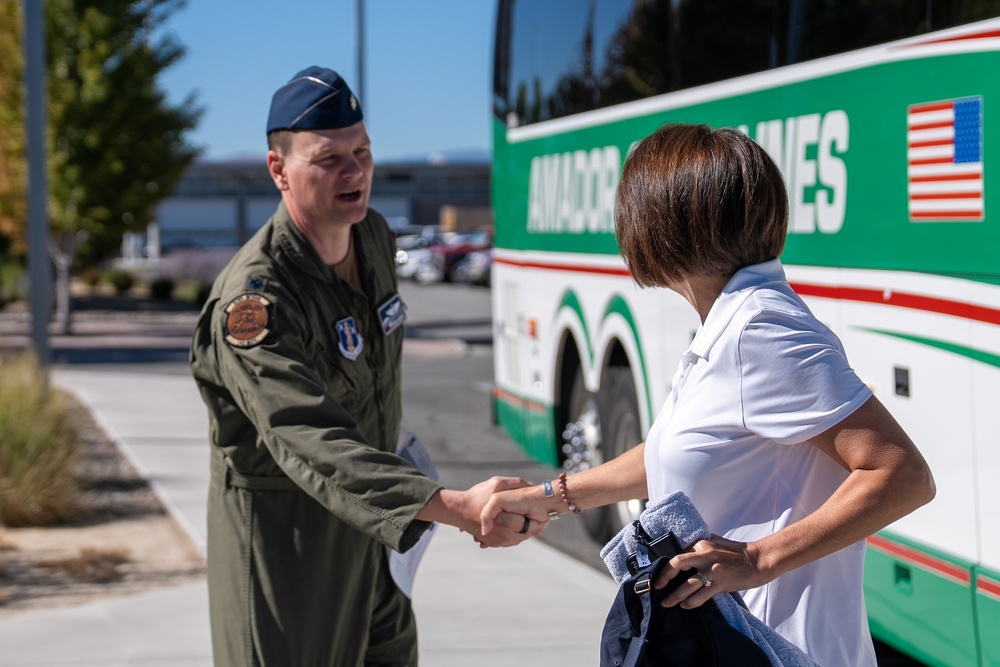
(761, 377)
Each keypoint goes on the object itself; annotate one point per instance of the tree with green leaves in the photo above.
(13, 166)
(117, 146)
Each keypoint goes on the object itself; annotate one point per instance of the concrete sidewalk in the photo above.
(527, 605)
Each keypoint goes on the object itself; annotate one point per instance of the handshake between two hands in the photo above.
(501, 512)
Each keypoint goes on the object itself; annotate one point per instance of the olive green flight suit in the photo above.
(301, 376)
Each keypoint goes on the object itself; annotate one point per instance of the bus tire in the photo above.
(580, 448)
(620, 432)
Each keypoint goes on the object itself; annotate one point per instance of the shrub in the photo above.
(122, 281)
(194, 291)
(13, 281)
(162, 288)
(91, 276)
(37, 448)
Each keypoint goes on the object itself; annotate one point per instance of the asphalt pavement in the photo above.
(526, 605)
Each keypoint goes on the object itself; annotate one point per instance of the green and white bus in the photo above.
(882, 115)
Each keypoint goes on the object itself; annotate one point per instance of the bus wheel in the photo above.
(620, 432)
(581, 448)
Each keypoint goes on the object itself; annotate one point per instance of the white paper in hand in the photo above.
(403, 567)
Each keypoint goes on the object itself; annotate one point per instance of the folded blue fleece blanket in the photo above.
(676, 513)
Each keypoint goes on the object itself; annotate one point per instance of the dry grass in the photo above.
(93, 564)
(37, 448)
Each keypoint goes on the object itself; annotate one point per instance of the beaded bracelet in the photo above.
(562, 491)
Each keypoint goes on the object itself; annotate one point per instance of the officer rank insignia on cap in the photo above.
(247, 320)
(350, 341)
(316, 98)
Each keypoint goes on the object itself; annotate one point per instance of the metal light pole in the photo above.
(361, 52)
(39, 275)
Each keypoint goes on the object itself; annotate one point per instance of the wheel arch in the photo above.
(621, 345)
(574, 353)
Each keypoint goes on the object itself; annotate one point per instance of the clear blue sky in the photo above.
(427, 81)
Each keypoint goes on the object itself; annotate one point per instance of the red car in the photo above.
(449, 253)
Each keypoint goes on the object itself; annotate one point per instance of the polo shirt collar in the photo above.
(728, 303)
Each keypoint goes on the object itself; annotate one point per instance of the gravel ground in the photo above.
(122, 543)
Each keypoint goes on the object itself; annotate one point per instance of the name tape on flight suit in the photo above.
(392, 314)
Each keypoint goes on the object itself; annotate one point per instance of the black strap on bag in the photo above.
(641, 632)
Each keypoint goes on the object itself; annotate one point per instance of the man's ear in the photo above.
(276, 167)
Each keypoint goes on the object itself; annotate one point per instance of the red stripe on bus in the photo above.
(930, 106)
(946, 215)
(988, 586)
(932, 160)
(986, 34)
(931, 126)
(930, 304)
(928, 144)
(945, 177)
(948, 195)
(607, 271)
(901, 300)
(521, 402)
(921, 559)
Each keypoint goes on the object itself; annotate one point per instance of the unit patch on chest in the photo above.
(350, 341)
(247, 320)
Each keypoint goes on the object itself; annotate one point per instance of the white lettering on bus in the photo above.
(789, 142)
(574, 192)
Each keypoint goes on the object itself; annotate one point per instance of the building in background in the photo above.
(222, 204)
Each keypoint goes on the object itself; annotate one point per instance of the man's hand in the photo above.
(517, 500)
(464, 509)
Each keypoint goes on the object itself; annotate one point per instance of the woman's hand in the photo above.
(463, 509)
(509, 526)
(527, 502)
(726, 565)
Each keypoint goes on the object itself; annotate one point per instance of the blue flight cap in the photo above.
(314, 99)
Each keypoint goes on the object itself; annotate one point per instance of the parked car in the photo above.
(430, 233)
(447, 255)
(413, 256)
(475, 268)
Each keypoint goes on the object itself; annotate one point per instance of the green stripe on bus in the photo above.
(970, 352)
(918, 610)
(619, 306)
(571, 301)
(988, 614)
(529, 424)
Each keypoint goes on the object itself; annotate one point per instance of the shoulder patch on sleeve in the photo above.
(247, 320)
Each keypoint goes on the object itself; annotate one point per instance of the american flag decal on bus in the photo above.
(944, 152)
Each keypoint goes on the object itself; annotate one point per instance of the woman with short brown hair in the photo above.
(698, 202)
(783, 450)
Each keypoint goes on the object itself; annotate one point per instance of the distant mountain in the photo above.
(449, 156)
(246, 157)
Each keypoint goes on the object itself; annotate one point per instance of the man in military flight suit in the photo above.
(297, 355)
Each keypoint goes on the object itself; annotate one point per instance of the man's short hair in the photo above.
(698, 202)
(280, 141)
